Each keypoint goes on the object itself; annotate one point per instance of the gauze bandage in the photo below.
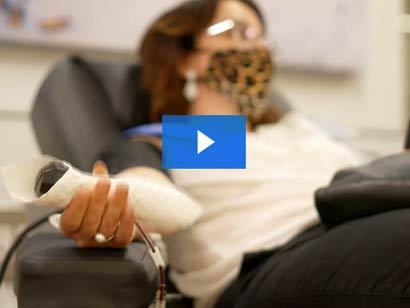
(157, 206)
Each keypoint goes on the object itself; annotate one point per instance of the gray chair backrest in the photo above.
(83, 106)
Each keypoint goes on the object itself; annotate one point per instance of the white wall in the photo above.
(373, 99)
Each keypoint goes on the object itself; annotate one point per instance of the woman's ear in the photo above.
(184, 65)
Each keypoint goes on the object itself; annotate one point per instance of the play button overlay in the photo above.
(204, 142)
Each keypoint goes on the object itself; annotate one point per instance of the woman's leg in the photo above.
(363, 263)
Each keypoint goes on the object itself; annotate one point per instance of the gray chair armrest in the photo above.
(51, 271)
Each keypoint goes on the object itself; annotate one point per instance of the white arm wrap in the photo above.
(155, 204)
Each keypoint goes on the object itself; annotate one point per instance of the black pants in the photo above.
(362, 263)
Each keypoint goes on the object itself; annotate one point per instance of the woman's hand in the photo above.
(93, 211)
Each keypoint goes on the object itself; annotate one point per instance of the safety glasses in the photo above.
(238, 31)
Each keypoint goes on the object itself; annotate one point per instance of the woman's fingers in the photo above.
(113, 210)
(95, 209)
(72, 217)
(126, 229)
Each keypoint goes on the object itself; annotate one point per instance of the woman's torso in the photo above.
(253, 209)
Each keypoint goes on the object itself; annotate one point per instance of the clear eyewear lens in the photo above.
(240, 31)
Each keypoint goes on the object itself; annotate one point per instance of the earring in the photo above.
(190, 90)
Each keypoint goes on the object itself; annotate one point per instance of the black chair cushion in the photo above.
(380, 186)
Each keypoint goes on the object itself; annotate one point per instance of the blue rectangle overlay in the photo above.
(204, 142)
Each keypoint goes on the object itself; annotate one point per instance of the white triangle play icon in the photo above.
(203, 142)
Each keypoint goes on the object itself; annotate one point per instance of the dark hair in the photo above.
(168, 39)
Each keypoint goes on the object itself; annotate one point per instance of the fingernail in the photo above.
(100, 163)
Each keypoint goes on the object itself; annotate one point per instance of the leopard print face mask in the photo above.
(244, 77)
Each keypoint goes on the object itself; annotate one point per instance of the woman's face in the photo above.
(247, 33)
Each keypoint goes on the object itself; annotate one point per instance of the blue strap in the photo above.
(154, 130)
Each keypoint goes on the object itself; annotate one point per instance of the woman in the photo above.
(210, 57)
